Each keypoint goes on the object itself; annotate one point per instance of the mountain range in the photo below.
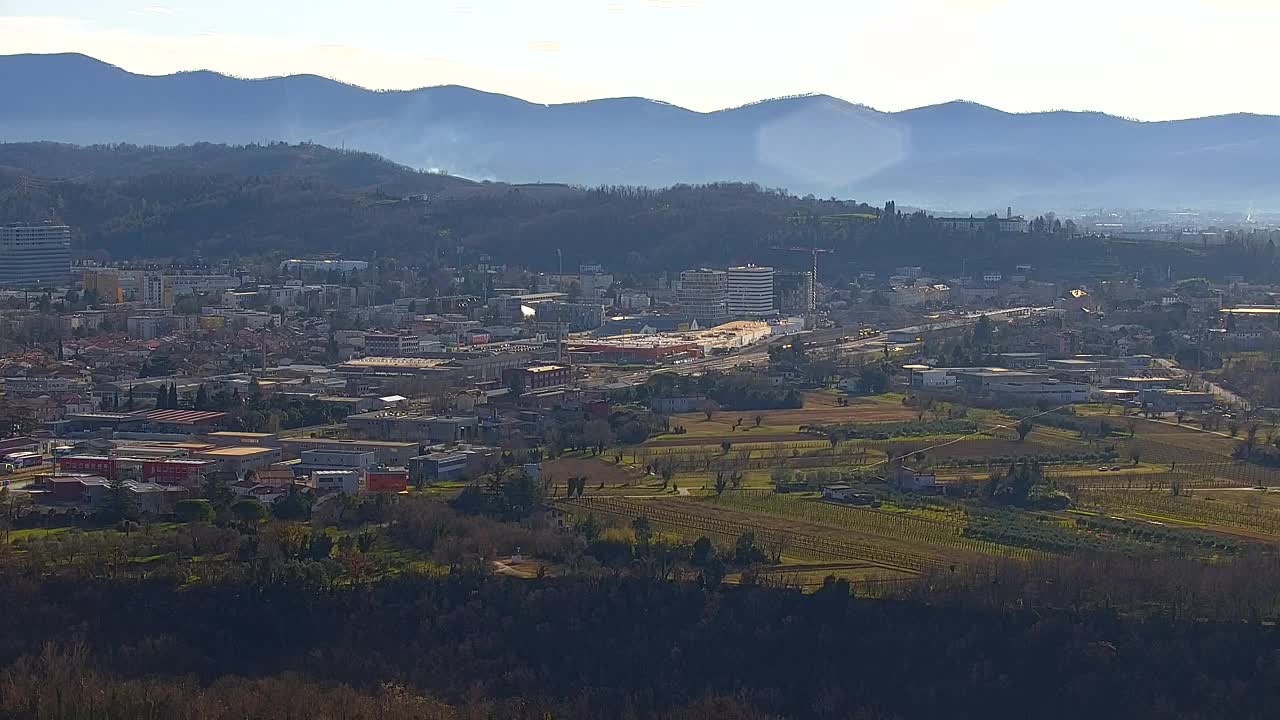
(960, 156)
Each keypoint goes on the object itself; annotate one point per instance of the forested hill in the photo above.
(956, 155)
(339, 168)
(215, 201)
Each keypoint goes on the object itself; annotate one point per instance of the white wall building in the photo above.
(342, 267)
(192, 284)
(37, 254)
(343, 481)
(391, 344)
(750, 291)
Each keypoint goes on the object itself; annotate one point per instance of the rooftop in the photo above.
(244, 435)
(238, 451)
(345, 441)
(396, 362)
(545, 368)
(180, 417)
(1255, 310)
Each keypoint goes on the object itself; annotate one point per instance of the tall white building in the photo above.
(750, 291)
(704, 295)
(34, 254)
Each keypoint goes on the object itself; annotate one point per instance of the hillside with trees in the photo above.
(341, 168)
(219, 201)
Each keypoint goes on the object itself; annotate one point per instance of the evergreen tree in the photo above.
(120, 505)
(202, 398)
(173, 396)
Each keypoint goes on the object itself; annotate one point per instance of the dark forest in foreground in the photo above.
(473, 646)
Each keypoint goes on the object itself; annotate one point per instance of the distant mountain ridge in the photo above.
(954, 155)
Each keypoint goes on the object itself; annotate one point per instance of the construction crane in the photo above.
(799, 218)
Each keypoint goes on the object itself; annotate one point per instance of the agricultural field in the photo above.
(599, 469)
(939, 533)
(1131, 491)
(778, 425)
(1232, 512)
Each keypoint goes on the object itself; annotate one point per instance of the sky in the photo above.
(1145, 59)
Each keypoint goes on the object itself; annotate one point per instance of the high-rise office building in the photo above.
(750, 291)
(34, 254)
(793, 292)
(704, 295)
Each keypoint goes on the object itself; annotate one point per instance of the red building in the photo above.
(169, 471)
(188, 473)
(387, 479)
(87, 464)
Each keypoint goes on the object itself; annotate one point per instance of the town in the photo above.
(831, 421)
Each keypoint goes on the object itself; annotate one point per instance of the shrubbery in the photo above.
(885, 431)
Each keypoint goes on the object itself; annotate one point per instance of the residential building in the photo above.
(34, 254)
(704, 295)
(750, 291)
(391, 344)
(103, 283)
(158, 291)
(17, 387)
(146, 327)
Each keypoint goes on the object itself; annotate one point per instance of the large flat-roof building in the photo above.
(537, 377)
(34, 254)
(412, 427)
(241, 460)
(750, 291)
(386, 452)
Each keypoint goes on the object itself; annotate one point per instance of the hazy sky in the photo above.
(1150, 59)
